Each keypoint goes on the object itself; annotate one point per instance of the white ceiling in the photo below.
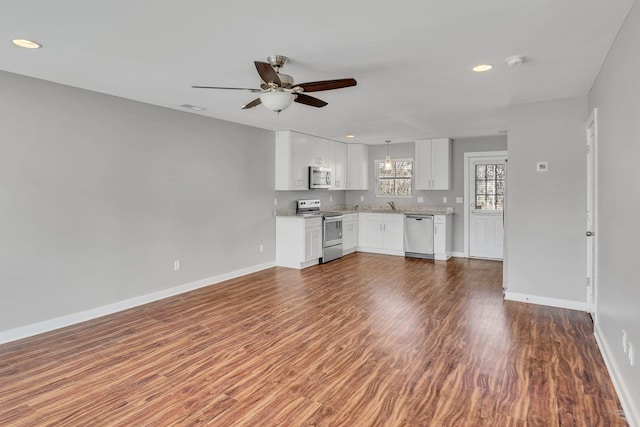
(412, 58)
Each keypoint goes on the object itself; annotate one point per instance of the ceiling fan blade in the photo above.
(252, 104)
(327, 85)
(309, 100)
(230, 88)
(267, 73)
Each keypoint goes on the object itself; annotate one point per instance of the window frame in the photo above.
(376, 166)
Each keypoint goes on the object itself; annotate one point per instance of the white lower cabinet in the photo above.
(381, 233)
(298, 241)
(442, 237)
(349, 233)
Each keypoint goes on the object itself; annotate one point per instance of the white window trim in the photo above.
(407, 159)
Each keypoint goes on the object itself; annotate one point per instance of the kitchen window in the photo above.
(395, 182)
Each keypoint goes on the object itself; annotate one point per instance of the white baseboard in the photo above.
(380, 251)
(631, 411)
(552, 302)
(459, 255)
(83, 316)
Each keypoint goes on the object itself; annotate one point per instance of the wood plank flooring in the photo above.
(367, 340)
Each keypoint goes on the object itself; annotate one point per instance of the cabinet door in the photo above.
(422, 164)
(299, 166)
(312, 243)
(357, 167)
(370, 230)
(338, 164)
(350, 235)
(292, 171)
(318, 152)
(441, 164)
(394, 231)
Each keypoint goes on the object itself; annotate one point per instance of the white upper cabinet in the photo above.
(318, 151)
(292, 161)
(432, 164)
(357, 167)
(338, 164)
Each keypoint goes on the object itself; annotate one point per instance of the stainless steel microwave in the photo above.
(319, 177)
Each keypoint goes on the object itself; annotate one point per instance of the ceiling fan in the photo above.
(277, 90)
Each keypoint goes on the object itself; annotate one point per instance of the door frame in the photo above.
(468, 157)
(592, 191)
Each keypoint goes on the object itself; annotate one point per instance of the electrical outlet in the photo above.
(261, 247)
(624, 340)
(444, 200)
(176, 265)
(275, 202)
(420, 199)
(362, 198)
(331, 198)
(631, 355)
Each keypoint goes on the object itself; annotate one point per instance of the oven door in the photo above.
(332, 231)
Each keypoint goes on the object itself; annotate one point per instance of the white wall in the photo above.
(546, 212)
(616, 94)
(431, 198)
(99, 195)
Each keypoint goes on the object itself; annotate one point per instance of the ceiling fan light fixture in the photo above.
(277, 100)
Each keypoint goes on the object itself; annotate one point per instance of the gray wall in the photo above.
(431, 198)
(99, 195)
(546, 212)
(616, 94)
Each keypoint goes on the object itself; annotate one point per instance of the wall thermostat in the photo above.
(542, 166)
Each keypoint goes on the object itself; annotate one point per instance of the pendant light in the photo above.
(387, 162)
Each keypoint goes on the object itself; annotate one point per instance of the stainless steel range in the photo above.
(331, 228)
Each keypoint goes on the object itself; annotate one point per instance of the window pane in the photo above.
(384, 173)
(385, 187)
(500, 187)
(481, 187)
(491, 171)
(403, 187)
(480, 202)
(500, 171)
(491, 187)
(404, 168)
(500, 203)
(480, 171)
(491, 203)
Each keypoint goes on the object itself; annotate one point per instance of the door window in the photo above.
(489, 184)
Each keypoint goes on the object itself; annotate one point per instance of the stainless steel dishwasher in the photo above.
(418, 236)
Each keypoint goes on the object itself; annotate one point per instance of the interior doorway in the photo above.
(485, 192)
(592, 208)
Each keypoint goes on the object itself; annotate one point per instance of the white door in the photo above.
(591, 214)
(487, 180)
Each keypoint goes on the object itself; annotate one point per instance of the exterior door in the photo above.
(591, 225)
(487, 181)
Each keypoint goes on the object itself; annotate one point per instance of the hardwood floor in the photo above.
(367, 340)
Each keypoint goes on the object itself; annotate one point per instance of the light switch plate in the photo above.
(362, 198)
(275, 202)
(444, 200)
(420, 199)
(459, 200)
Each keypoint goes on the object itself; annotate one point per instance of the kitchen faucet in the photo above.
(393, 206)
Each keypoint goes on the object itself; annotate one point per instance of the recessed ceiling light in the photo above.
(482, 68)
(27, 44)
(350, 136)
